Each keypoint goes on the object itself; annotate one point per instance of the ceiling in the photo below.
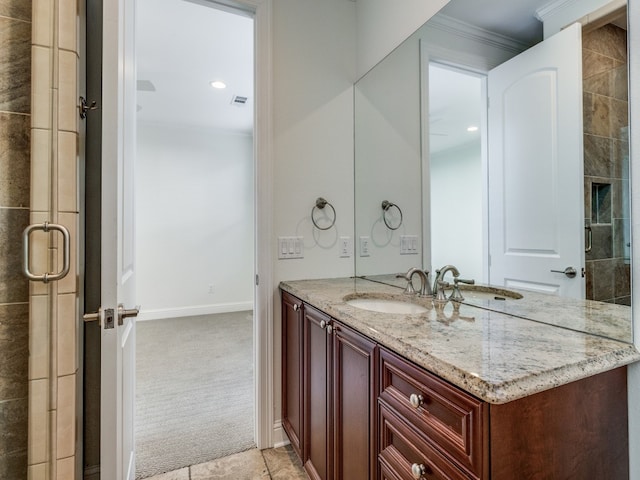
(181, 46)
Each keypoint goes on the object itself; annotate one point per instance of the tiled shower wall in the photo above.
(606, 163)
(53, 337)
(15, 104)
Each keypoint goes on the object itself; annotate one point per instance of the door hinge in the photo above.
(257, 279)
(85, 107)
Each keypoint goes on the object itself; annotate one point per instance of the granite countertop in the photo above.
(492, 355)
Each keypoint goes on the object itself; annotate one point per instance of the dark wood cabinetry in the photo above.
(292, 369)
(355, 410)
(334, 423)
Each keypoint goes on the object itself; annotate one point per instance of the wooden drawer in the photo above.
(451, 420)
(401, 448)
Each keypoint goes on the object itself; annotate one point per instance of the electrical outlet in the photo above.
(364, 246)
(346, 247)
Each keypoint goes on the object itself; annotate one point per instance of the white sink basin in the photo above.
(384, 305)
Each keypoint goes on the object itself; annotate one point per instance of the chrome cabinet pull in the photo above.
(26, 250)
(418, 470)
(416, 400)
(589, 246)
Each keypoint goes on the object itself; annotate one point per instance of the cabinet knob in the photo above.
(418, 470)
(296, 307)
(329, 329)
(323, 324)
(416, 400)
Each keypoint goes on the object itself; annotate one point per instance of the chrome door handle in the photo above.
(127, 313)
(569, 272)
(26, 250)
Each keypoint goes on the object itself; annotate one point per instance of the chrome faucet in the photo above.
(425, 288)
(439, 284)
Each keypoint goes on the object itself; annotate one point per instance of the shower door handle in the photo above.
(26, 251)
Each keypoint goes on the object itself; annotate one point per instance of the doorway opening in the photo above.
(194, 193)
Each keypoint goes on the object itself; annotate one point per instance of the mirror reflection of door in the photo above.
(457, 223)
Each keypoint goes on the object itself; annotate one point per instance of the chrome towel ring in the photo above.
(320, 204)
(386, 206)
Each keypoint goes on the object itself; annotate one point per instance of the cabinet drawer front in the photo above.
(447, 417)
(401, 449)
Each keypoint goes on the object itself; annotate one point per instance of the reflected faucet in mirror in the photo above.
(439, 284)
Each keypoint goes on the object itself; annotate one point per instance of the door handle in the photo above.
(569, 272)
(127, 313)
(26, 250)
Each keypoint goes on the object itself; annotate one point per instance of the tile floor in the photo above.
(275, 463)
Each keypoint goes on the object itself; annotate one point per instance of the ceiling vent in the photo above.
(145, 86)
(239, 101)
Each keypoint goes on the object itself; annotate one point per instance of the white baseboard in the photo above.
(279, 437)
(194, 310)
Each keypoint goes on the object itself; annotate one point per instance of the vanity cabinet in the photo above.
(292, 365)
(338, 395)
(427, 425)
(356, 410)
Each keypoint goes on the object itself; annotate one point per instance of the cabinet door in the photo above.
(292, 370)
(317, 391)
(354, 395)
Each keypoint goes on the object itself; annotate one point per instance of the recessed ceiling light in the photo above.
(218, 84)
(472, 128)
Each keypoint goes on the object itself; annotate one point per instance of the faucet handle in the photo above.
(408, 290)
(456, 296)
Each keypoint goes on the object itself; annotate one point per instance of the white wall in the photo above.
(194, 219)
(382, 25)
(559, 14)
(456, 210)
(313, 76)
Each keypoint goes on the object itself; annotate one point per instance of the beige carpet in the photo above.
(194, 392)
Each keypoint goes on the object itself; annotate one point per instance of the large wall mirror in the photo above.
(480, 144)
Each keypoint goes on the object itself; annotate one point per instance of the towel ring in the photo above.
(386, 206)
(320, 204)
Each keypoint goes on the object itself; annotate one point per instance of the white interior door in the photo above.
(117, 453)
(536, 219)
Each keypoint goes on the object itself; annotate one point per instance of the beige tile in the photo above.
(66, 334)
(41, 98)
(283, 463)
(69, 284)
(67, 172)
(40, 170)
(42, 27)
(67, 18)
(37, 472)
(66, 426)
(247, 465)
(182, 474)
(67, 92)
(39, 338)
(38, 416)
(66, 468)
